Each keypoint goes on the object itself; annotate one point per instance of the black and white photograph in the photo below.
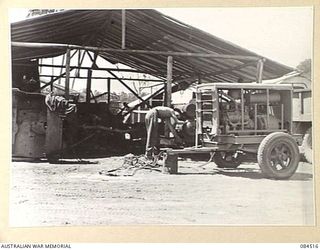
(165, 116)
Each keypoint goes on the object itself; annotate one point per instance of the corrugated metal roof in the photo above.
(145, 30)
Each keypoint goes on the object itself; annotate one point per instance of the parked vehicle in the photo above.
(238, 121)
(302, 119)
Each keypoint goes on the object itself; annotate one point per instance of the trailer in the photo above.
(245, 122)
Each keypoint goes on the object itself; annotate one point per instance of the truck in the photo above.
(245, 122)
(302, 119)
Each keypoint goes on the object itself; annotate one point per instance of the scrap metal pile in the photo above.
(134, 163)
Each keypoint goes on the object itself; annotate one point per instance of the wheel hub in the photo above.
(280, 157)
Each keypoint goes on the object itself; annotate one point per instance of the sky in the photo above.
(283, 34)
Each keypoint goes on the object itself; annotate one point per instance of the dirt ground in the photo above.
(75, 193)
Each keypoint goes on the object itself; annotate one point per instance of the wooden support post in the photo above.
(242, 109)
(198, 116)
(62, 66)
(168, 93)
(169, 82)
(78, 71)
(123, 19)
(109, 91)
(51, 84)
(260, 70)
(66, 59)
(199, 79)
(151, 93)
(67, 83)
(88, 90)
(52, 69)
(170, 164)
(93, 59)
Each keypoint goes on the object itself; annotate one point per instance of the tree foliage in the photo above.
(39, 12)
(305, 66)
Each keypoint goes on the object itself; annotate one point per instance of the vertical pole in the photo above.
(139, 108)
(40, 68)
(282, 116)
(168, 93)
(255, 118)
(198, 115)
(242, 110)
(290, 128)
(78, 70)
(88, 90)
(169, 82)
(67, 83)
(52, 74)
(51, 84)
(151, 92)
(123, 14)
(62, 63)
(109, 91)
(260, 70)
(268, 104)
(199, 79)
(52, 69)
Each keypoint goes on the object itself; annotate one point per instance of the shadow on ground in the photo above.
(77, 162)
(243, 172)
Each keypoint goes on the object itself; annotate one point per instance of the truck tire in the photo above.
(307, 145)
(278, 156)
(227, 159)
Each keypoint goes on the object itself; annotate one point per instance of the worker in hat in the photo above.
(152, 125)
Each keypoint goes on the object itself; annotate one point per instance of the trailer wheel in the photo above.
(278, 156)
(307, 145)
(227, 159)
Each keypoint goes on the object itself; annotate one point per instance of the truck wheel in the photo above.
(307, 145)
(227, 159)
(278, 156)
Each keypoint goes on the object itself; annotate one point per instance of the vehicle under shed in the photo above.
(147, 42)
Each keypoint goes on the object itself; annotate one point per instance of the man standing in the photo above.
(152, 126)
